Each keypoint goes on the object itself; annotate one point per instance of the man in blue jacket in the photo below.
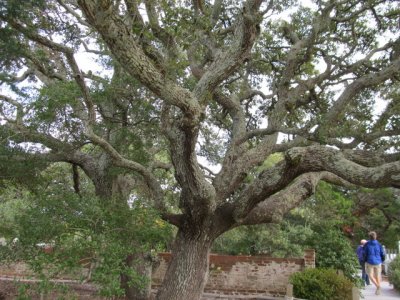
(374, 256)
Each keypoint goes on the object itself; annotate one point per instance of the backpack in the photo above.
(383, 254)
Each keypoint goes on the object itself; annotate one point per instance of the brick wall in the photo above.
(309, 258)
(245, 275)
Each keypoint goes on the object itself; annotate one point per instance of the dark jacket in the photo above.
(360, 254)
(373, 252)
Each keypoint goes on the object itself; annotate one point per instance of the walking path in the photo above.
(387, 292)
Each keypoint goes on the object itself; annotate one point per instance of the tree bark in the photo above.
(187, 272)
(142, 266)
(115, 189)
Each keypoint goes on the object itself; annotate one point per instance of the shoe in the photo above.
(378, 291)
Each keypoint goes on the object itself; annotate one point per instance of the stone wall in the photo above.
(245, 275)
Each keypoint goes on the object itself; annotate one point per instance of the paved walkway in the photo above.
(387, 292)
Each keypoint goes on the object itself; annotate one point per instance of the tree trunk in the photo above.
(187, 272)
(142, 266)
(115, 191)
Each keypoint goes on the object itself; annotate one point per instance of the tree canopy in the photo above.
(182, 102)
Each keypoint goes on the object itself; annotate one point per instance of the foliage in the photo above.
(394, 272)
(328, 212)
(378, 210)
(276, 240)
(321, 284)
(333, 250)
(12, 204)
(329, 205)
(316, 224)
(44, 288)
(22, 171)
(82, 230)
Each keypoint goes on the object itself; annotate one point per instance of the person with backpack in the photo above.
(374, 256)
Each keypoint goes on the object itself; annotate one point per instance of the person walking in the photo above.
(361, 260)
(374, 256)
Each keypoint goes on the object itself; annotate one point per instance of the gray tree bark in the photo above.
(187, 272)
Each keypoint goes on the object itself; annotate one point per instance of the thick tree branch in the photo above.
(320, 158)
(68, 52)
(370, 158)
(315, 158)
(134, 14)
(367, 138)
(17, 105)
(336, 112)
(273, 209)
(120, 161)
(300, 53)
(285, 94)
(228, 60)
(16, 79)
(24, 134)
(164, 36)
(120, 40)
(198, 195)
(72, 12)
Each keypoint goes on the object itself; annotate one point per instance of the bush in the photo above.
(334, 251)
(321, 284)
(394, 273)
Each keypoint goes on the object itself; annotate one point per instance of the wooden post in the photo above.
(289, 292)
(355, 293)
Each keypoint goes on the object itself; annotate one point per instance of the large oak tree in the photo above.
(232, 81)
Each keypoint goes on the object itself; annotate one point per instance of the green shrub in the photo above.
(321, 284)
(394, 273)
(334, 251)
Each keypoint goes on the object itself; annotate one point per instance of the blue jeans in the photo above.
(364, 275)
